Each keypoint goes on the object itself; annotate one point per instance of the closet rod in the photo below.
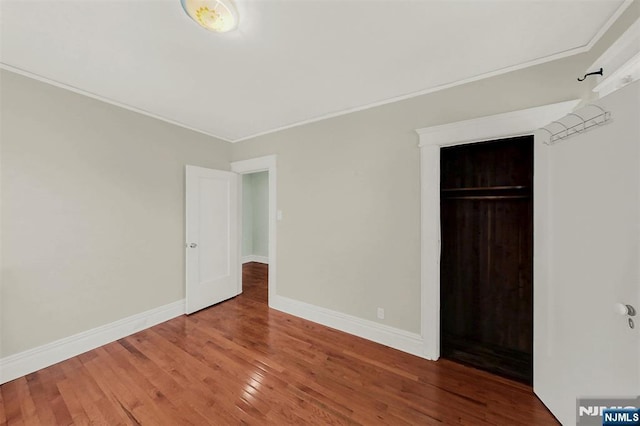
(486, 188)
(485, 197)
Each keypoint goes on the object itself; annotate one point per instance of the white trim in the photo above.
(105, 99)
(255, 258)
(627, 73)
(410, 95)
(31, 360)
(538, 61)
(390, 336)
(511, 124)
(267, 163)
(620, 62)
(370, 330)
(254, 165)
(493, 127)
(418, 93)
(612, 19)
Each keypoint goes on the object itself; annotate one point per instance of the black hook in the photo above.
(599, 72)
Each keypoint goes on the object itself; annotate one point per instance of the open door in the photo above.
(212, 258)
(586, 346)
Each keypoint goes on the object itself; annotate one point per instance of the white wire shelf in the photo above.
(575, 123)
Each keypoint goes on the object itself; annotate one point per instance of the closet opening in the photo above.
(486, 267)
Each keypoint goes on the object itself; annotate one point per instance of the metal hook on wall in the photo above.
(599, 72)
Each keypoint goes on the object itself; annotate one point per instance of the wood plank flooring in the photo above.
(240, 362)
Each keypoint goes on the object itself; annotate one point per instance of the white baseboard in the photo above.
(255, 258)
(31, 360)
(390, 336)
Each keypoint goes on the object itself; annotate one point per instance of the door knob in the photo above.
(623, 309)
(193, 245)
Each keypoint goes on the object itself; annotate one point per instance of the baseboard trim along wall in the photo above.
(255, 258)
(31, 360)
(390, 336)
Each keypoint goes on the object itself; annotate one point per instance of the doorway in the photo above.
(486, 269)
(259, 173)
(255, 217)
(255, 236)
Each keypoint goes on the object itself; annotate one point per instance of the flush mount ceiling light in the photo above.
(215, 15)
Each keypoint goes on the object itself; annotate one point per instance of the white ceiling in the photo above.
(289, 62)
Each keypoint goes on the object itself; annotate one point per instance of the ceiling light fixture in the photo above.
(215, 15)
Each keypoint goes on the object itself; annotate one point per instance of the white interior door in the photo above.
(212, 256)
(583, 348)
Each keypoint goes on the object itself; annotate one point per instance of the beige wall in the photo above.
(349, 188)
(255, 214)
(261, 214)
(247, 215)
(92, 211)
(92, 200)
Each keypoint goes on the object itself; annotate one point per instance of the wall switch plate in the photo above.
(279, 215)
(380, 313)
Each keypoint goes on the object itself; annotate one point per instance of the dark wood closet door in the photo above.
(486, 266)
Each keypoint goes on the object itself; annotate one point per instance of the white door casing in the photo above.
(500, 126)
(212, 239)
(268, 164)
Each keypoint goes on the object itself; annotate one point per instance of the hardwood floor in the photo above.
(240, 362)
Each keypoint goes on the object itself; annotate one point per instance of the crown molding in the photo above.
(101, 98)
(581, 49)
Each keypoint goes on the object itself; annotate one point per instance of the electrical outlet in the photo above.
(380, 313)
